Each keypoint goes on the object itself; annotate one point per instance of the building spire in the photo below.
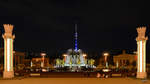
(76, 38)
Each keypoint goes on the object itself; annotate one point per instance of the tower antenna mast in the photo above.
(76, 38)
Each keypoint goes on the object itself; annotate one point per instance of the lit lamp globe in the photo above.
(84, 55)
(64, 55)
(106, 54)
(43, 54)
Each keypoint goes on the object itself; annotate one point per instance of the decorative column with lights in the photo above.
(141, 52)
(65, 55)
(8, 51)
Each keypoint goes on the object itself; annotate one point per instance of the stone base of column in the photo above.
(141, 75)
(8, 74)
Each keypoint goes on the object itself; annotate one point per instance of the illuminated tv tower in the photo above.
(76, 38)
(74, 57)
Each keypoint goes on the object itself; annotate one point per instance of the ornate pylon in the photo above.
(8, 51)
(141, 52)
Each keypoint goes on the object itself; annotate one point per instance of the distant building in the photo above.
(18, 57)
(27, 62)
(124, 59)
(39, 62)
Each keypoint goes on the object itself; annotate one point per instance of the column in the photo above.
(141, 52)
(8, 51)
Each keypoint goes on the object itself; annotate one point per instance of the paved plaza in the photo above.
(75, 81)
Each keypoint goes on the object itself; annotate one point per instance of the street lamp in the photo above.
(85, 60)
(84, 55)
(43, 55)
(106, 54)
(65, 55)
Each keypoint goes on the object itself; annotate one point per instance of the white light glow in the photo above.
(106, 70)
(84, 55)
(141, 52)
(106, 64)
(106, 54)
(8, 54)
(31, 64)
(64, 55)
(43, 54)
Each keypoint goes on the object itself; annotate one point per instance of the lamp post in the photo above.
(84, 58)
(43, 56)
(105, 58)
(84, 55)
(65, 55)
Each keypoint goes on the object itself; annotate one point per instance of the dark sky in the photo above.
(49, 24)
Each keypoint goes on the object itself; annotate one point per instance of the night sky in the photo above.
(48, 25)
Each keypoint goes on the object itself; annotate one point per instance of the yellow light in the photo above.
(84, 55)
(106, 70)
(106, 54)
(8, 55)
(117, 64)
(64, 55)
(141, 56)
(31, 64)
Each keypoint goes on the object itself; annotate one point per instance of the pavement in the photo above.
(33, 80)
